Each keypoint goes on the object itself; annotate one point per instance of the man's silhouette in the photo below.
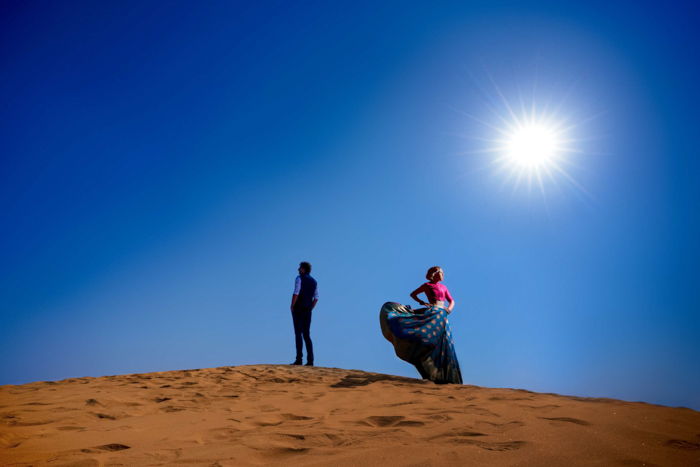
(304, 300)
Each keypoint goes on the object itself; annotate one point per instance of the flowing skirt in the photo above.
(423, 338)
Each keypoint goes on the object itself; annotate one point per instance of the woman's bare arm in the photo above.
(448, 296)
(414, 295)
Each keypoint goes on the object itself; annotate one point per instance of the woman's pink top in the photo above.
(436, 292)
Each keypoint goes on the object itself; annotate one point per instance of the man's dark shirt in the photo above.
(307, 292)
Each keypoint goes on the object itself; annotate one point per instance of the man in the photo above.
(304, 300)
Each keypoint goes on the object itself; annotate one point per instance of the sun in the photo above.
(532, 146)
(528, 139)
(531, 140)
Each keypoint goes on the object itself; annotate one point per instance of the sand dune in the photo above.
(284, 415)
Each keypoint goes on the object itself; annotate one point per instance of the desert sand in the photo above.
(284, 415)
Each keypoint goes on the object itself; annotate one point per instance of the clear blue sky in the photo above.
(165, 166)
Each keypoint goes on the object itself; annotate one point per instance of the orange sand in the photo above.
(283, 415)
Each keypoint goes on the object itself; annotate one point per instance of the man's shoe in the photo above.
(309, 364)
(296, 362)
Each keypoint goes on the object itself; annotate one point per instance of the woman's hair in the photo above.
(431, 271)
(305, 266)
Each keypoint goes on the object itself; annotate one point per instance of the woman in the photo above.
(423, 337)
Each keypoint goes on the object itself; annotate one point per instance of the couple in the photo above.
(421, 337)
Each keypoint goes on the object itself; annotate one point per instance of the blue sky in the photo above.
(164, 168)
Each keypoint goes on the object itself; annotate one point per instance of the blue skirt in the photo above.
(423, 338)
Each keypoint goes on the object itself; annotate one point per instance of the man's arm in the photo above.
(313, 304)
(295, 295)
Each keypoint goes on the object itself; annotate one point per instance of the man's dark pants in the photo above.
(302, 326)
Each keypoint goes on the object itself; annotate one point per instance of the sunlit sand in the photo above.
(284, 415)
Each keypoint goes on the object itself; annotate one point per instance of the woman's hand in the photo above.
(414, 295)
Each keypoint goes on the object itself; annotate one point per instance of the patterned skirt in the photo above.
(423, 338)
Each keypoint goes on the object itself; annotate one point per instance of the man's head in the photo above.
(304, 268)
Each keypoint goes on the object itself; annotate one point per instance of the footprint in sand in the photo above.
(11, 440)
(502, 398)
(309, 440)
(274, 420)
(105, 447)
(113, 447)
(491, 446)
(284, 381)
(267, 422)
(683, 444)
(282, 450)
(400, 403)
(457, 436)
(410, 423)
(352, 381)
(172, 408)
(291, 416)
(383, 421)
(223, 434)
(504, 446)
(567, 420)
(440, 417)
(475, 409)
(500, 427)
(546, 407)
(17, 422)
